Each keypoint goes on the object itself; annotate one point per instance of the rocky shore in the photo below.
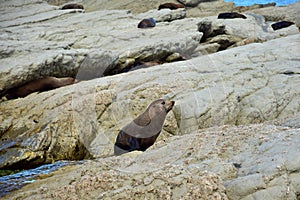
(232, 134)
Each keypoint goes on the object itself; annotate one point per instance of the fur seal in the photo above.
(231, 15)
(142, 132)
(141, 65)
(282, 24)
(147, 23)
(72, 6)
(39, 85)
(171, 6)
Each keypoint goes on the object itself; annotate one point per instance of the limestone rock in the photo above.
(210, 8)
(102, 179)
(164, 15)
(86, 45)
(280, 13)
(251, 161)
(193, 3)
(89, 114)
(222, 91)
(236, 32)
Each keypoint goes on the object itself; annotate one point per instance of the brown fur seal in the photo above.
(147, 23)
(72, 6)
(171, 6)
(142, 132)
(282, 24)
(141, 65)
(231, 15)
(39, 85)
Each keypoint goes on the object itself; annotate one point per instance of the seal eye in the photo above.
(163, 103)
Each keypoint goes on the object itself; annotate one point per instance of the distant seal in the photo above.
(39, 85)
(142, 132)
(231, 15)
(141, 65)
(72, 6)
(171, 6)
(282, 24)
(147, 23)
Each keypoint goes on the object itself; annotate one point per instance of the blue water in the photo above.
(251, 2)
(16, 181)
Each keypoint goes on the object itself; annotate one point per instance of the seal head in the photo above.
(142, 132)
(147, 23)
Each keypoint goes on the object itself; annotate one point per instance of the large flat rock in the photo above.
(46, 41)
(248, 84)
(258, 161)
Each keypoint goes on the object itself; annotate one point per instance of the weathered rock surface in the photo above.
(259, 161)
(164, 15)
(242, 85)
(193, 3)
(46, 41)
(225, 33)
(288, 13)
(250, 84)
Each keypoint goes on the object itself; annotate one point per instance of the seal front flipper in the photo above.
(125, 143)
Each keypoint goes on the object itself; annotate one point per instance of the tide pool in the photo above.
(251, 2)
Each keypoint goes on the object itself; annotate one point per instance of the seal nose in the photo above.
(172, 102)
(170, 106)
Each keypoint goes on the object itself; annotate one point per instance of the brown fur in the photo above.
(231, 15)
(172, 6)
(72, 6)
(39, 85)
(146, 23)
(142, 132)
(282, 24)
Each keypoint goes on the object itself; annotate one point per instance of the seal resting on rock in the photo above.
(282, 24)
(72, 6)
(231, 15)
(141, 65)
(39, 85)
(171, 6)
(142, 132)
(147, 23)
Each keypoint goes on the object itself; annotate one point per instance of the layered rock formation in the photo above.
(243, 85)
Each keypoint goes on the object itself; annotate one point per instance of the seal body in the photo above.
(231, 15)
(39, 85)
(141, 65)
(282, 24)
(171, 6)
(142, 132)
(147, 23)
(72, 6)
